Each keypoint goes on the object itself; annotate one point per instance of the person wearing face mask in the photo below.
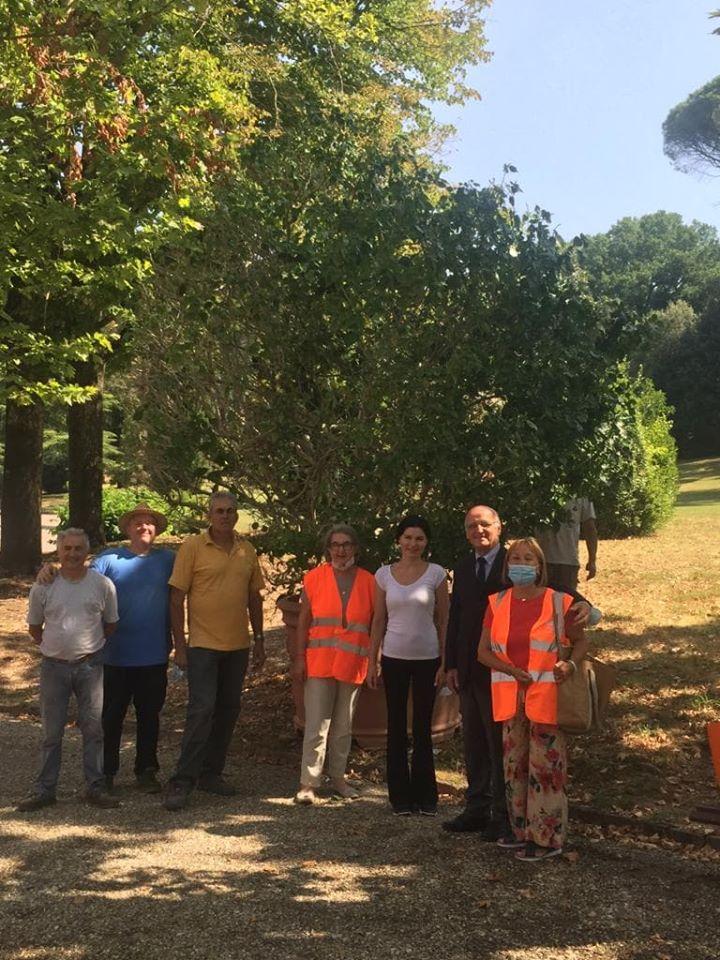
(524, 631)
(332, 656)
(476, 576)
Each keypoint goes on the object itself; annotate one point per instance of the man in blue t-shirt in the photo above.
(136, 659)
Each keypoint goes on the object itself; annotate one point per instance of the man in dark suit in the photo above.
(475, 578)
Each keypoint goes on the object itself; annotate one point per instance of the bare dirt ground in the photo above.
(257, 877)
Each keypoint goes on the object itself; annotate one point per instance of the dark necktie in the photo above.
(480, 569)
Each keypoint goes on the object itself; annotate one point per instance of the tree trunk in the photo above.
(85, 456)
(20, 524)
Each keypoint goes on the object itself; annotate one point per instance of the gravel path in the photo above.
(258, 877)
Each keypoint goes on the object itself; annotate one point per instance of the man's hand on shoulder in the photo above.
(47, 573)
(581, 611)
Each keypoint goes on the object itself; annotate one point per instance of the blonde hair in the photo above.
(531, 542)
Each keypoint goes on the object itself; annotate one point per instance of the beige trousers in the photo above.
(329, 708)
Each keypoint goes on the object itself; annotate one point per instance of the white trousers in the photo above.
(329, 708)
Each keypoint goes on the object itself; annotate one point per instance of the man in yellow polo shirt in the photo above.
(219, 574)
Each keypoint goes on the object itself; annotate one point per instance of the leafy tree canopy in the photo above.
(649, 262)
(119, 118)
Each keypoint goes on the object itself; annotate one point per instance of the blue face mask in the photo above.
(522, 574)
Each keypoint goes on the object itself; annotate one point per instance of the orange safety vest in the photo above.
(546, 634)
(334, 650)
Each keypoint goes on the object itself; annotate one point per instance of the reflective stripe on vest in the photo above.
(334, 642)
(336, 622)
(333, 650)
(545, 636)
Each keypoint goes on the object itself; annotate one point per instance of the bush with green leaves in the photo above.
(636, 486)
(182, 517)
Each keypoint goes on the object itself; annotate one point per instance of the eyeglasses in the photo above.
(345, 545)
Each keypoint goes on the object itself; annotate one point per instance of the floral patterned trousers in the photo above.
(535, 761)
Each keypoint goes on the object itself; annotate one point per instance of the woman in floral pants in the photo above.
(524, 633)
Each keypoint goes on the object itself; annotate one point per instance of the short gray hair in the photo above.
(73, 532)
(221, 495)
(340, 528)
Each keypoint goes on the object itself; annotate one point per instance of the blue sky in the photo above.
(575, 96)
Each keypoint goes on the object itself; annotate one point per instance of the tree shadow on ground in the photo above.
(653, 750)
(339, 880)
(699, 469)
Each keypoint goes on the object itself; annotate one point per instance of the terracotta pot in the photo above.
(370, 722)
(290, 610)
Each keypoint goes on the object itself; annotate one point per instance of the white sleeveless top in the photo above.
(411, 633)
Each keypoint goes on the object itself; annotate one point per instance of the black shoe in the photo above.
(148, 782)
(36, 801)
(427, 809)
(98, 797)
(402, 811)
(217, 785)
(177, 795)
(496, 829)
(466, 823)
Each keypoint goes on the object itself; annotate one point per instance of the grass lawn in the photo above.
(699, 488)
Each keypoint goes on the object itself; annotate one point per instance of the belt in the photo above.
(72, 663)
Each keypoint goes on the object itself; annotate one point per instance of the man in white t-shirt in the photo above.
(70, 619)
(560, 545)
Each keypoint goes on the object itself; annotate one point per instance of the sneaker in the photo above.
(148, 782)
(427, 809)
(510, 842)
(217, 785)
(402, 811)
(101, 798)
(36, 801)
(533, 853)
(342, 788)
(305, 796)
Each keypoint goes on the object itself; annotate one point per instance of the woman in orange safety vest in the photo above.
(524, 629)
(332, 655)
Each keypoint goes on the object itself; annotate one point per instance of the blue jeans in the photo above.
(58, 681)
(215, 682)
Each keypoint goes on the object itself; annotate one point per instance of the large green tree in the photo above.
(663, 276)
(427, 347)
(119, 121)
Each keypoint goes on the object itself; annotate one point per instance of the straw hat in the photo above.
(143, 510)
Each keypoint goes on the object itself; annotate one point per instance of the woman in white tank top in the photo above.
(411, 612)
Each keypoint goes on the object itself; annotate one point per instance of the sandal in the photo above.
(509, 842)
(533, 853)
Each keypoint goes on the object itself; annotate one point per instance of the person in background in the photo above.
(70, 619)
(409, 624)
(561, 545)
(217, 571)
(332, 655)
(476, 576)
(525, 631)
